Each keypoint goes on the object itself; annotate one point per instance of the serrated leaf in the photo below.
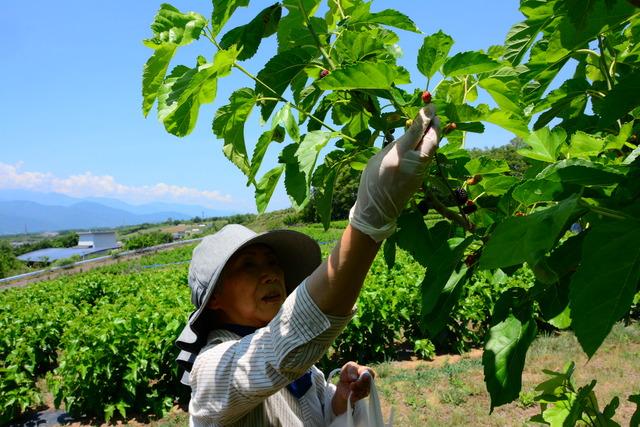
(174, 27)
(153, 74)
(498, 185)
(522, 35)
(433, 53)
(265, 187)
(308, 151)
(389, 17)
(186, 89)
(362, 45)
(277, 74)
(603, 287)
(228, 124)
(541, 190)
(247, 37)
(363, 75)
(286, 118)
(506, 121)
(585, 145)
(504, 356)
(260, 150)
(484, 165)
(544, 144)
(622, 98)
(324, 179)
(222, 11)
(567, 102)
(583, 172)
(469, 63)
(505, 94)
(520, 239)
(295, 181)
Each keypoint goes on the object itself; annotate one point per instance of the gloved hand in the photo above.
(393, 175)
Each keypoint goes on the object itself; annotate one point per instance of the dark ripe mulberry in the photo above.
(470, 207)
(423, 207)
(461, 196)
(471, 259)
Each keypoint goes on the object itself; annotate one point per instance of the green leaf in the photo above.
(295, 180)
(265, 187)
(222, 11)
(568, 101)
(285, 117)
(389, 17)
(505, 93)
(173, 27)
(324, 179)
(411, 224)
(498, 185)
(621, 99)
(441, 286)
(585, 145)
(484, 165)
(504, 356)
(228, 124)
(308, 151)
(153, 74)
(277, 74)
(469, 63)
(433, 53)
(520, 239)
(541, 190)
(260, 150)
(603, 287)
(522, 35)
(507, 121)
(363, 75)
(247, 37)
(582, 172)
(545, 144)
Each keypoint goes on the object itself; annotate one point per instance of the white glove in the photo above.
(393, 175)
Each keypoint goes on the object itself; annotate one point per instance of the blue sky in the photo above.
(71, 118)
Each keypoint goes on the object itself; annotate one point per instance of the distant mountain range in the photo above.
(31, 211)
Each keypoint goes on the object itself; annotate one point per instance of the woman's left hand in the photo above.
(352, 382)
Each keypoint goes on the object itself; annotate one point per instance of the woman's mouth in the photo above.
(272, 297)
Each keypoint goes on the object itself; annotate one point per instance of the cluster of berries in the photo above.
(462, 199)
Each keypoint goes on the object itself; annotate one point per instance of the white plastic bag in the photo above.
(367, 412)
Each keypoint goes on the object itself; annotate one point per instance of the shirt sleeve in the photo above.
(231, 378)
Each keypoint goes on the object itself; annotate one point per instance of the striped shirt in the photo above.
(241, 381)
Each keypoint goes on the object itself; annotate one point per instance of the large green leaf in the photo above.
(174, 27)
(484, 165)
(247, 37)
(171, 29)
(410, 225)
(389, 17)
(603, 287)
(274, 134)
(228, 124)
(498, 185)
(505, 93)
(153, 74)
(621, 99)
(222, 11)
(363, 75)
(567, 102)
(266, 186)
(527, 238)
(504, 355)
(469, 63)
(277, 74)
(295, 180)
(433, 52)
(324, 179)
(185, 89)
(534, 191)
(286, 118)
(522, 35)
(583, 172)
(545, 144)
(507, 121)
(354, 46)
(585, 145)
(441, 286)
(309, 149)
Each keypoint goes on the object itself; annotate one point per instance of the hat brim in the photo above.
(298, 256)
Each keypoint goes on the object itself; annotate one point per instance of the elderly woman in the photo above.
(267, 308)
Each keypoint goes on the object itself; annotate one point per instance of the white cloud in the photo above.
(89, 185)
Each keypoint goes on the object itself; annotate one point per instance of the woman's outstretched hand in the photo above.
(355, 381)
(393, 175)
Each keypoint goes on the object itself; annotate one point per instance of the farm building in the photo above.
(89, 243)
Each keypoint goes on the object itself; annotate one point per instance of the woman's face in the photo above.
(252, 288)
